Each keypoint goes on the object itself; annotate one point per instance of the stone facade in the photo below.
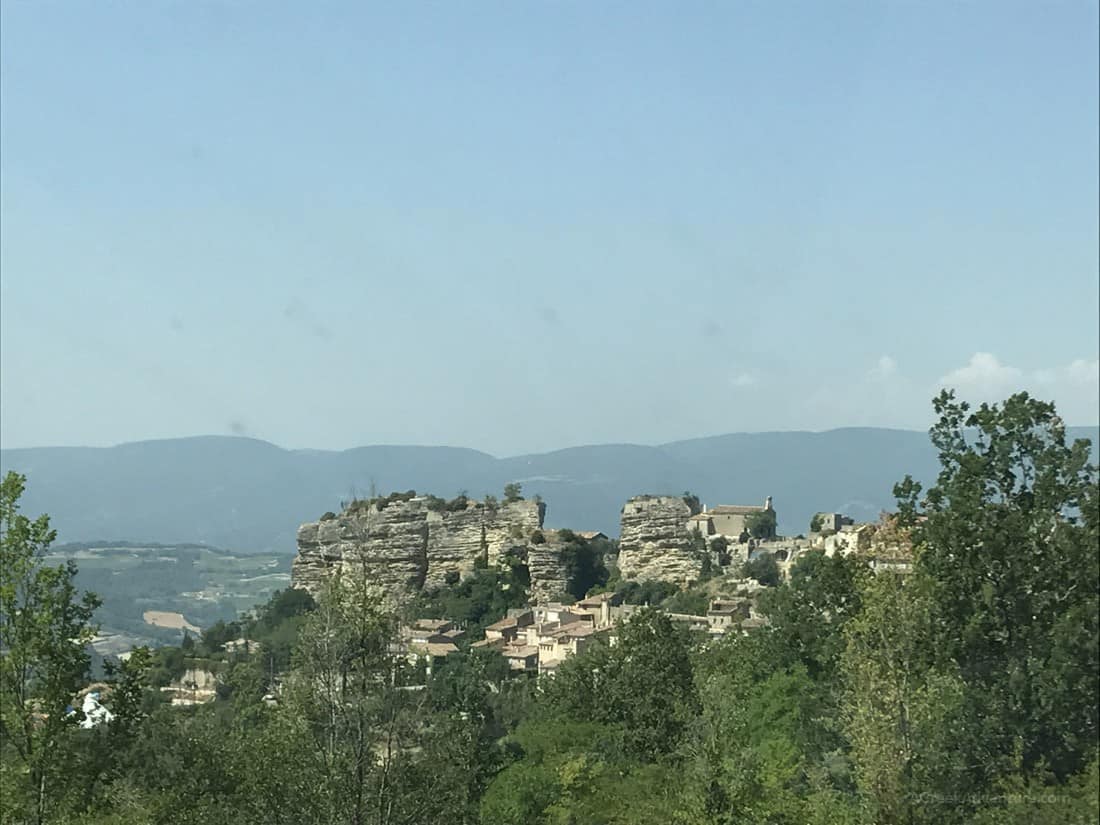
(729, 520)
(406, 546)
(654, 541)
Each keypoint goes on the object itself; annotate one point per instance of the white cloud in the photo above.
(983, 377)
(1074, 388)
(884, 368)
(743, 379)
(1082, 372)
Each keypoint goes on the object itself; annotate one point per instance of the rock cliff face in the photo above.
(407, 546)
(654, 542)
(548, 575)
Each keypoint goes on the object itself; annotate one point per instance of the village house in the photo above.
(540, 638)
(602, 607)
(728, 520)
(242, 646)
(429, 640)
(882, 547)
(724, 614)
(537, 639)
(848, 539)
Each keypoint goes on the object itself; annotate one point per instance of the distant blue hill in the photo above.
(250, 495)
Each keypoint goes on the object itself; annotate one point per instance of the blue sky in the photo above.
(522, 226)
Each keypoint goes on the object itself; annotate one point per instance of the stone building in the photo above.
(429, 640)
(540, 638)
(728, 520)
(831, 522)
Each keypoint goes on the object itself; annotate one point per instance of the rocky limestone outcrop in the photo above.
(407, 545)
(549, 578)
(654, 542)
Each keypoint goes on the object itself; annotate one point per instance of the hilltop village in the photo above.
(562, 590)
(705, 565)
(467, 661)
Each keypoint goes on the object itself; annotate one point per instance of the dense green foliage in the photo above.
(583, 561)
(44, 628)
(761, 525)
(651, 591)
(763, 568)
(960, 691)
(477, 600)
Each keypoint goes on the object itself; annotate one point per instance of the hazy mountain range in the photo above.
(250, 495)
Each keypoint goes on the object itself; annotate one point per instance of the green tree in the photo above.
(283, 605)
(1008, 537)
(719, 546)
(642, 687)
(344, 690)
(762, 524)
(45, 627)
(692, 501)
(1035, 801)
(650, 591)
(763, 748)
(764, 568)
(215, 636)
(513, 491)
(583, 565)
(808, 615)
(904, 709)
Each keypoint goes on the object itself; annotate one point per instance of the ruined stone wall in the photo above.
(654, 542)
(406, 546)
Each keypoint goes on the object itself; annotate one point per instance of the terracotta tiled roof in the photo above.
(435, 648)
(430, 624)
(519, 652)
(578, 631)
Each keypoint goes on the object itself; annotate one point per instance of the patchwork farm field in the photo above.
(151, 592)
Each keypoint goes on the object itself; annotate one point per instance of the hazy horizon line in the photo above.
(406, 445)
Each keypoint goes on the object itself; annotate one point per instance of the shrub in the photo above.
(693, 602)
(763, 568)
(761, 525)
(692, 501)
(647, 592)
